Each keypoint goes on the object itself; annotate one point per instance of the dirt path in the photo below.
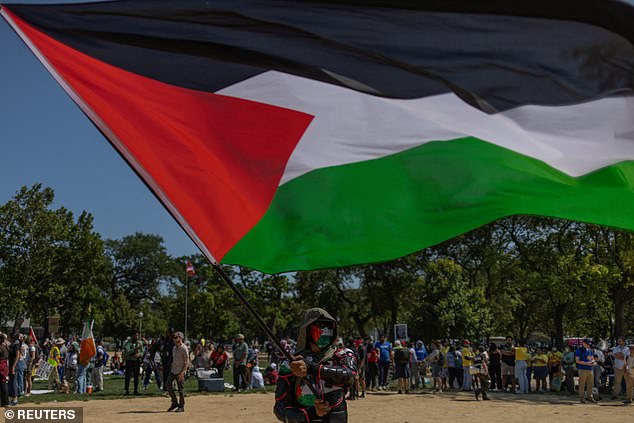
(384, 407)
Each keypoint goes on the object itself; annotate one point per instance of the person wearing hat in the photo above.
(629, 375)
(240, 372)
(71, 359)
(330, 369)
(584, 358)
(54, 359)
(132, 354)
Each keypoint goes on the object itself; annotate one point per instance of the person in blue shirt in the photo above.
(386, 357)
(421, 354)
(585, 363)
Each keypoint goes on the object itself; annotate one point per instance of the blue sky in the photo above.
(44, 137)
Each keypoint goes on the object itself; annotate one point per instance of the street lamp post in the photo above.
(140, 321)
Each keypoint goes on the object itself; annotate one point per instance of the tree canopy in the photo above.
(519, 275)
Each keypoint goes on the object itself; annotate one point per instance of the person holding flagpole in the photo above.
(331, 369)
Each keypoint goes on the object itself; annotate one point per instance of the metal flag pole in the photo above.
(186, 299)
(259, 319)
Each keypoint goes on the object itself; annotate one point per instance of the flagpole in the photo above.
(186, 300)
(260, 321)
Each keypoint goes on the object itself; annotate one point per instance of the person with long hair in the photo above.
(31, 363)
(372, 360)
(521, 358)
(495, 367)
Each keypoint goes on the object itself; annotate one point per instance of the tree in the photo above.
(139, 264)
(48, 261)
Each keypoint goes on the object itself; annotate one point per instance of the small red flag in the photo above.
(32, 335)
(190, 269)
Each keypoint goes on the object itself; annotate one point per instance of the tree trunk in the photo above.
(620, 325)
(558, 320)
(393, 320)
(360, 324)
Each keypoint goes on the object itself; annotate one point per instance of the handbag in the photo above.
(473, 370)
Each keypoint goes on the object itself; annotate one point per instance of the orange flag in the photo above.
(87, 349)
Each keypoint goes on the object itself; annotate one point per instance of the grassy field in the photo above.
(114, 389)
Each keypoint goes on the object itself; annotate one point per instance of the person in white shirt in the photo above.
(621, 353)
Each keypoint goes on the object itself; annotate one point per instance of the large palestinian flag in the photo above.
(287, 135)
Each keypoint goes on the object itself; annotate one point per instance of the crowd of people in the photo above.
(169, 359)
(511, 366)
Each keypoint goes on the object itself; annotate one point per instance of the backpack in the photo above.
(402, 355)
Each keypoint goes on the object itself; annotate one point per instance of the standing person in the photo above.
(540, 369)
(555, 358)
(584, 359)
(70, 366)
(361, 360)
(481, 365)
(521, 358)
(436, 361)
(220, 360)
(508, 364)
(152, 364)
(54, 360)
(467, 361)
(495, 367)
(401, 366)
(451, 358)
(101, 361)
(180, 364)
(597, 369)
(14, 357)
(386, 356)
(132, 354)
(4, 371)
(421, 356)
(629, 375)
(414, 374)
(568, 365)
(330, 369)
(240, 352)
(165, 347)
(30, 364)
(621, 353)
(84, 373)
(22, 364)
(372, 365)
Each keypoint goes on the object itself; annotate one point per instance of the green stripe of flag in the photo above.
(385, 208)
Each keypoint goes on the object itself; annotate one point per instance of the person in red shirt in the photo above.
(372, 364)
(220, 359)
